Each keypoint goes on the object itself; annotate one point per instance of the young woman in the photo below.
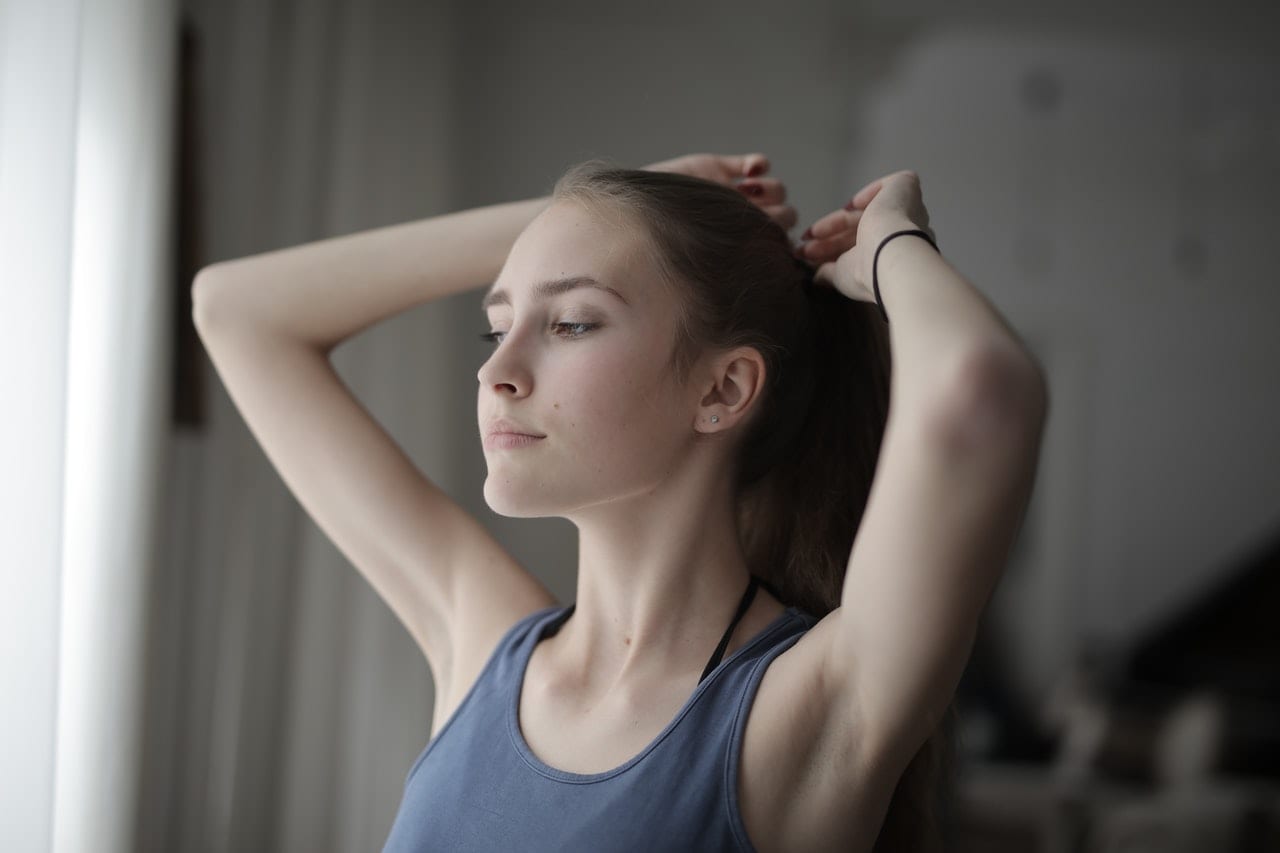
(710, 406)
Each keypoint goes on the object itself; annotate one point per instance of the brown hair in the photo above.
(804, 467)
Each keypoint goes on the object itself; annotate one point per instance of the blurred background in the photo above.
(189, 664)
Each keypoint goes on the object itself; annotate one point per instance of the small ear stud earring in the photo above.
(715, 419)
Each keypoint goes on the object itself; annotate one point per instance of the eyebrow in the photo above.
(546, 289)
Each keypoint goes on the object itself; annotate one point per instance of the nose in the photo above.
(504, 373)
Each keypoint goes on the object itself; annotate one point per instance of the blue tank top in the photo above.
(477, 786)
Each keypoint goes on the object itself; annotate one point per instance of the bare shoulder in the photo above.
(809, 779)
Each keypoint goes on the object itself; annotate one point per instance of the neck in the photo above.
(656, 591)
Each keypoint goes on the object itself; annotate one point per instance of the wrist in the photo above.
(905, 243)
(902, 245)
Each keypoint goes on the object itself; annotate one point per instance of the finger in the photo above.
(764, 190)
(783, 214)
(864, 196)
(828, 249)
(835, 222)
(756, 165)
(746, 165)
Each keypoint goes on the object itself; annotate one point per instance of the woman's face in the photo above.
(582, 366)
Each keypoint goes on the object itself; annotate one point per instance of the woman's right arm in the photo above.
(269, 322)
(324, 292)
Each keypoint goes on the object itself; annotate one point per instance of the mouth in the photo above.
(503, 425)
(510, 440)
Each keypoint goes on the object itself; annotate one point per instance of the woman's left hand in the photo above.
(842, 244)
(742, 172)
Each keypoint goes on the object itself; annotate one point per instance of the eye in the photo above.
(584, 327)
(574, 330)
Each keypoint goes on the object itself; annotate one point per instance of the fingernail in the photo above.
(757, 169)
(799, 252)
(849, 205)
(808, 232)
(752, 189)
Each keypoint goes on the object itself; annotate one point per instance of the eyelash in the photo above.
(492, 337)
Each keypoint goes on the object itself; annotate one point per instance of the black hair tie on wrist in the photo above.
(875, 276)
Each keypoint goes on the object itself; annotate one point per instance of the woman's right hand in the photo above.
(741, 172)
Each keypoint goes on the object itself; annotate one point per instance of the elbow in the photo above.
(203, 289)
(199, 296)
(993, 395)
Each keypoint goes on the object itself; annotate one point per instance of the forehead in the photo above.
(569, 246)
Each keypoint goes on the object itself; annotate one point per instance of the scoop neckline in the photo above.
(522, 667)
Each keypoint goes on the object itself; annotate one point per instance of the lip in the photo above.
(505, 426)
(509, 440)
(506, 434)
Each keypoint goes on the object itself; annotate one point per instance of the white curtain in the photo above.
(287, 703)
(85, 162)
(189, 664)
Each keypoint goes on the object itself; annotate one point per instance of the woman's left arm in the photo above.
(957, 464)
(945, 337)
(951, 350)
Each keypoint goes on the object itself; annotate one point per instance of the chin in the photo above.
(507, 496)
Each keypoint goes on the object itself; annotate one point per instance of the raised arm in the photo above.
(269, 322)
(968, 405)
(324, 292)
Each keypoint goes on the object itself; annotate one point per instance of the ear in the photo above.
(730, 385)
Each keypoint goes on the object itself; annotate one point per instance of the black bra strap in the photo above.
(743, 605)
(747, 598)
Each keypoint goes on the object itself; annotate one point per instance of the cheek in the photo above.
(617, 406)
